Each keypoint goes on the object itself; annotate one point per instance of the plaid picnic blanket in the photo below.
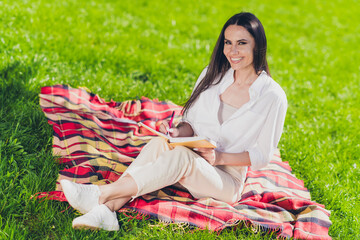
(96, 141)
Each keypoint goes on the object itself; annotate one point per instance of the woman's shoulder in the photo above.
(274, 90)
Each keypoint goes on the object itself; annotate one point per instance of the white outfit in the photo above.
(159, 165)
(255, 127)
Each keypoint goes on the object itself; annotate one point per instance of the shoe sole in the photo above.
(85, 227)
(80, 226)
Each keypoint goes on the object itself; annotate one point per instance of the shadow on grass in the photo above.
(26, 162)
(20, 114)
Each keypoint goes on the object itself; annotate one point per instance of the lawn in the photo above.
(127, 49)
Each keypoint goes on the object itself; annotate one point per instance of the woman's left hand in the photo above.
(209, 154)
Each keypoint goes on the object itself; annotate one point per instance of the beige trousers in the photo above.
(159, 165)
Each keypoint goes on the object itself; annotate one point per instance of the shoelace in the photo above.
(87, 188)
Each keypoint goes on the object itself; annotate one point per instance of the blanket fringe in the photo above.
(138, 215)
(178, 226)
(253, 227)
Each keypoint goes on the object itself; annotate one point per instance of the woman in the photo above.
(235, 103)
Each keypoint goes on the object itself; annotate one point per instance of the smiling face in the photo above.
(239, 48)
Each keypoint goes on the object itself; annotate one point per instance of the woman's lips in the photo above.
(236, 60)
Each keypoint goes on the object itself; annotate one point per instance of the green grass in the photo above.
(127, 49)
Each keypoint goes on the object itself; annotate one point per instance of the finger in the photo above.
(197, 152)
(174, 132)
(201, 153)
(166, 124)
(164, 127)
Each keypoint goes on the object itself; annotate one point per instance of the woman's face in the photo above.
(238, 47)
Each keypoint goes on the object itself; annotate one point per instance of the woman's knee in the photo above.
(180, 148)
(183, 151)
(179, 154)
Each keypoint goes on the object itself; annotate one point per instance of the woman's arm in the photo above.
(263, 149)
(232, 159)
(221, 158)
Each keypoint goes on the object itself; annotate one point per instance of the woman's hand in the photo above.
(165, 128)
(209, 154)
(183, 129)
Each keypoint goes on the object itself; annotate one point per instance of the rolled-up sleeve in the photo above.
(262, 151)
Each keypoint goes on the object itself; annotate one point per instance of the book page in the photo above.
(185, 139)
(191, 142)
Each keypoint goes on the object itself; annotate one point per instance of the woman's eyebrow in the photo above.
(240, 40)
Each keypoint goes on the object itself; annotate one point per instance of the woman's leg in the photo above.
(101, 202)
(178, 165)
(189, 169)
(117, 204)
(157, 167)
(85, 197)
(125, 187)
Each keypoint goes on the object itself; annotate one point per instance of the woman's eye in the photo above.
(241, 43)
(227, 43)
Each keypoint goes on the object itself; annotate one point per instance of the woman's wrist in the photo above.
(218, 158)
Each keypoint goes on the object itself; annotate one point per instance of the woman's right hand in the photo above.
(165, 128)
(183, 129)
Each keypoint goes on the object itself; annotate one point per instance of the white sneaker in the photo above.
(98, 218)
(82, 197)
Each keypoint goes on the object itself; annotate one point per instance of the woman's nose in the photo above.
(234, 49)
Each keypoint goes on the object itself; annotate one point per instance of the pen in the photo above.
(171, 119)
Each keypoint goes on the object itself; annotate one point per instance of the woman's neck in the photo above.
(245, 77)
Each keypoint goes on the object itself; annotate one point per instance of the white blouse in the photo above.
(255, 127)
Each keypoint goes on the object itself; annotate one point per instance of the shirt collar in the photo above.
(227, 80)
(257, 86)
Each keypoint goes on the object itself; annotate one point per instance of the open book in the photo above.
(190, 142)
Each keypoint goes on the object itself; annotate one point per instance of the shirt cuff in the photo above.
(257, 159)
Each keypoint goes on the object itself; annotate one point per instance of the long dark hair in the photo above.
(219, 65)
